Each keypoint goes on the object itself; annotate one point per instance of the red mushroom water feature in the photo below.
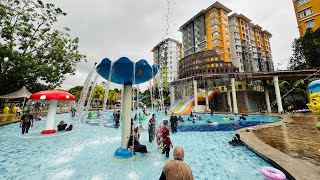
(53, 96)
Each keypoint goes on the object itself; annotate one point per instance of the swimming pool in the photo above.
(88, 153)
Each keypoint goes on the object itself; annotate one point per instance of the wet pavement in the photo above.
(299, 138)
(293, 144)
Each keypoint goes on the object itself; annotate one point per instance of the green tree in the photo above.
(76, 91)
(112, 96)
(146, 98)
(292, 92)
(98, 93)
(306, 51)
(37, 52)
(297, 60)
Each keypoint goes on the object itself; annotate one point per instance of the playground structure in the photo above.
(184, 105)
(127, 73)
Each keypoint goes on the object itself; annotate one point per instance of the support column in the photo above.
(171, 95)
(278, 95)
(207, 98)
(195, 89)
(266, 94)
(246, 100)
(51, 116)
(137, 106)
(184, 94)
(123, 151)
(229, 100)
(234, 96)
(224, 102)
(306, 83)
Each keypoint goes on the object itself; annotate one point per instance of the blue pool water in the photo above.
(88, 152)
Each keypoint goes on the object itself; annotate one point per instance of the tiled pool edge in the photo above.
(292, 167)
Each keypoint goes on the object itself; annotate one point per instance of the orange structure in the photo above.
(308, 14)
(208, 30)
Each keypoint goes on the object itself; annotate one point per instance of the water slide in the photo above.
(184, 106)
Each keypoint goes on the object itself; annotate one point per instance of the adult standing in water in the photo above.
(174, 123)
(26, 121)
(177, 169)
(152, 127)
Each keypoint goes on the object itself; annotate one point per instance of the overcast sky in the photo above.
(117, 28)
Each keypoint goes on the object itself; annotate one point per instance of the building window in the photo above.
(216, 33)
(302, 2)
(214, 26)
(310, 24)
(305, 13)
(216, 41)
(239, 87)
(217, 48)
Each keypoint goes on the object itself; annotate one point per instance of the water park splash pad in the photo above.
(89, 154)
(125, 72)
(88, 151)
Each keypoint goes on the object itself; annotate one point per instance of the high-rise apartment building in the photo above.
(308, 14)
(208, 30)
(166, 55)
(234, 38)
(251, 51)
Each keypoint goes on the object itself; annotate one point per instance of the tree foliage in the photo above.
(306, 51)
(296, 97)
(76, 91)
(37, 52)
(98, 92)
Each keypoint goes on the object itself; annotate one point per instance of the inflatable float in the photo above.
(91, 115)
(142, 117)
(272, 173)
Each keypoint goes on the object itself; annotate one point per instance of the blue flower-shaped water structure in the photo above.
(122, 71)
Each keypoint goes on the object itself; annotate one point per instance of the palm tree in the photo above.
(98, 93)
(294, 92)
(112, 96)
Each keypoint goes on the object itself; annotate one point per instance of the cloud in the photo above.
(116, 28)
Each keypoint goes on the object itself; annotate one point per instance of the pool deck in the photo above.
(292, 145)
